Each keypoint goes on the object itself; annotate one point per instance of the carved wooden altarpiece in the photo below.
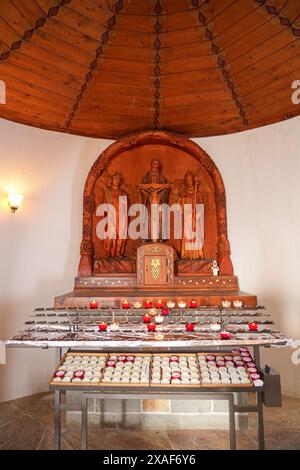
(180, 172)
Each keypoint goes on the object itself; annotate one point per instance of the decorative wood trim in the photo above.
(40, 22)
(284, 20)
(159, 138)
(157, 67)
(221, 63)
(118, 6)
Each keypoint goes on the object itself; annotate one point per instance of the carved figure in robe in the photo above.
(115, 247)
(192, 196)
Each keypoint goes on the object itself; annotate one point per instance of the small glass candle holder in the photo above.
(102, 326)
(171, 304)
(93, 304)
(146, 318)
(181, 304)
(125, 305)
(114, 326)
(148, 304)
(190, 327)
(151, 327)
(159, 304)
(215, 327)
(193, 304)
(225, 335)
(159, 319)
(253, 326)
(137, 304)
(165, 311)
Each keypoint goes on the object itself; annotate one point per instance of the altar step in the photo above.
(109, 298)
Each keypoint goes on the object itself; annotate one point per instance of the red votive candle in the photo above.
(225, 335)
(146, 318)
(148, 304)
(190, 326)
(151, 327)
(165, 311)
(253, 326)
(159, 304)
(111, 364)
(125, 305)
(193, 304)
(102, 326)
(93, 304)
(78, 374)
(60, 373)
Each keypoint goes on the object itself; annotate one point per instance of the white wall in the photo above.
(261, 173)
(39, 246)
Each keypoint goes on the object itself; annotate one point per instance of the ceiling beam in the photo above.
(111, 21)
(222, 64)
(40, 22)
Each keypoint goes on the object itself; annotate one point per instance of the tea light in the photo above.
(225, 335)
(159, 319)
(151, 327)
(237, 303)
(190, 327)
(193, 304)
(102, 326)
(170, 304)
(253, 326)
(148, 304)
(215, 327)
(153, 312)
(114, 326)
(159, 304)
(125, 305)
(146, 318)
(181, 304)
(93, 304)
(226, 303)
(165, 311)
(137, 304)
(158, 336)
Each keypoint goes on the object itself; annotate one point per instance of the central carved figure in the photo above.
(154, 193)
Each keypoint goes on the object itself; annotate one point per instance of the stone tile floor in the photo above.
(27, 423)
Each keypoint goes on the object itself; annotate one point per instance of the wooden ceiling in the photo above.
(105, 68)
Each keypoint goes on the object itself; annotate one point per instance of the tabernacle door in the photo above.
(155, 265)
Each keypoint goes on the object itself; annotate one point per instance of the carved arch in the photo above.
(159, 138)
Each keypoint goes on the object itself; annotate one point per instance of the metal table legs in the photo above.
(57, 423)
(163, 396)
(232, 408)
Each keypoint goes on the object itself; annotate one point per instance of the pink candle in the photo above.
(151, 327)
(190, 326)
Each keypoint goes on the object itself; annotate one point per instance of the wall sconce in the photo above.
(14, 201)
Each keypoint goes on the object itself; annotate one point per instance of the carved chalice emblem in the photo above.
(155, 268)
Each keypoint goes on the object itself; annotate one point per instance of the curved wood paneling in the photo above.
(110, 67)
